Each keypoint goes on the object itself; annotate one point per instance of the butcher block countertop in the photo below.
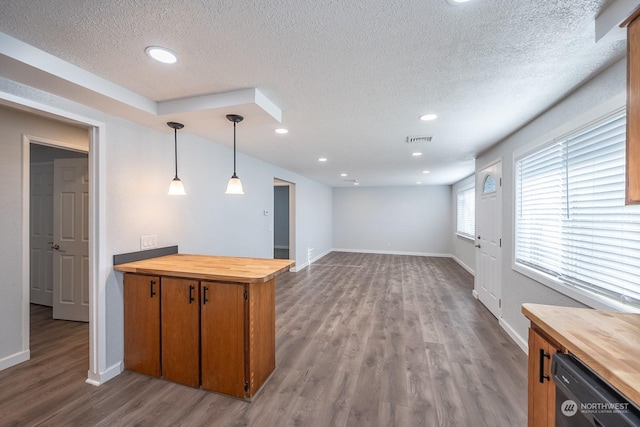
(209, 267)
(606, 341)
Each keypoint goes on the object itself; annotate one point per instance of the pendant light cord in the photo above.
(234, 150)
(175, 134)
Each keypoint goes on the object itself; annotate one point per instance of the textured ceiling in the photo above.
(351, 78)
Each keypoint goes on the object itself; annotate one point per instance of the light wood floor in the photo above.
(362, 340)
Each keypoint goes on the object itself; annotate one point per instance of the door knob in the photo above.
(477, 246)
(55, 247)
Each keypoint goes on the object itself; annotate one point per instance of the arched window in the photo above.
(489, 185)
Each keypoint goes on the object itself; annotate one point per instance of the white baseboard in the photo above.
(463, 265)
(103, 377)
(373, 251)
(322, 255)
(475, 294)
(299, 267)
(522, 343)
(14, 359)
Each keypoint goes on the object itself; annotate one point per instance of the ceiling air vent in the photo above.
(418, 139)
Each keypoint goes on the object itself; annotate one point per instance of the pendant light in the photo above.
(234, 186)
(176, 188)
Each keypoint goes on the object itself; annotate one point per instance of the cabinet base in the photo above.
(244, 399)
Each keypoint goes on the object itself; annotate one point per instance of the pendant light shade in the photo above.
(176, 188)
(234, 186)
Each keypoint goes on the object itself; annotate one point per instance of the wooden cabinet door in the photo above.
(142, 324)
(222, 337)
(633, 112)
(181, 331)
(542, 389)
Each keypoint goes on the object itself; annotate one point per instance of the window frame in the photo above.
(607, 110)
(470, 187)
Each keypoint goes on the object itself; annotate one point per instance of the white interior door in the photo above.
(41, 234)
(71, 239)
(488, 279)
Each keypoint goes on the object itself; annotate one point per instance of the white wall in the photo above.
(462, 248)
(139, 167)
(13, 124)
(516, 288)
(410, 220)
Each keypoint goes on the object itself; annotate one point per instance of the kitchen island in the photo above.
(203, 321)
(607, 342)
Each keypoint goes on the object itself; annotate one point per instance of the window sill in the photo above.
(583, 296)
(465, 237)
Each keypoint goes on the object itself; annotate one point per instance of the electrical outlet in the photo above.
(148, 242)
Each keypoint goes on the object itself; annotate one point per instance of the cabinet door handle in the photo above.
(204, 295)
(151, 284)
(543, 355)
(191, 294)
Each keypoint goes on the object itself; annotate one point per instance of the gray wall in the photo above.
(516, 288)
(462, 248)
(411, 220)
(139, 167)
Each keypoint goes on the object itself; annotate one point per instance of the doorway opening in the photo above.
(283, 219)
(58, 229)
(99, 369)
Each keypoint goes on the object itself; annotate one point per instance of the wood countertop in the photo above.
(606, 341)
(209, 267)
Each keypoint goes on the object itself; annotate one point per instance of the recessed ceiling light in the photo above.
(322, 159)
(343, 174)
(456, 2)
(418, 182)
(428, 117)
(426, 172)
(416, 154)
(282, 131)
(161, 54)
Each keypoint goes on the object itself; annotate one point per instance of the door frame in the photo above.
(478, 185)
(98, 372)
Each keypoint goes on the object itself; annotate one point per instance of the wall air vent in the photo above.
(418, 139)
(353, 181)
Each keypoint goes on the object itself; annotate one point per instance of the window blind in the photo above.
(466, 212)
(571, 221)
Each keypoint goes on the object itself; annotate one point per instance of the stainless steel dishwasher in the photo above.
(583, 398)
